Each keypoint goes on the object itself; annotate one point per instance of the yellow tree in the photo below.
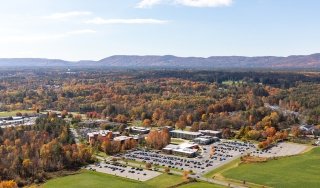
(185, 175)
(8, 184)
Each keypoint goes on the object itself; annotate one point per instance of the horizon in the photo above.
(75, 61)
(77, 30)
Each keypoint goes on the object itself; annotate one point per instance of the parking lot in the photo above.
(122, 170)
(281, 149)
(225, 151)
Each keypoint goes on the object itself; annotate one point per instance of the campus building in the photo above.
(185, 134)
(206, 140)
(94, 135)
(122, 138)
(185, 149)
(211, 133)
(138, 130)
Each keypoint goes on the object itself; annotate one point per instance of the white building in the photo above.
(185, 149)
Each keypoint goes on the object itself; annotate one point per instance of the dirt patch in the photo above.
(253, 159)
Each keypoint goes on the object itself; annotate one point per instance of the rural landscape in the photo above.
(142, 127)
(159, 94)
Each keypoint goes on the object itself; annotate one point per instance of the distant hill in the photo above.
(296, 61)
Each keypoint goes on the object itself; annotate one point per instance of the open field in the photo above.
(222, 168)
(164, 181)
(200, 185)
(296, 171)
(13, 113)
(101, 154)
(87, 179)
(136, 123)
(92, 179)
(177, 141)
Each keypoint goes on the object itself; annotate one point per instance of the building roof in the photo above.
(122, 138)
(101, 132)
(182, 148)
(210, 131)
(138, 128)
(186, 132)
(204, 138)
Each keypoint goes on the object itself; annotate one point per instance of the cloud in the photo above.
(67, 15)
(100, 21)
(190, 3)
(78, 32)
(148, 3)
(41, 38)
(204, 3)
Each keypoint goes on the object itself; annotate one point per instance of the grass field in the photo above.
(177, 141)
(164, 181)
(13, 113)
(297, 171)
(91, 179)
(136, 123)
(200, 185)
(222, 168)
(88, 179)
(101, 154)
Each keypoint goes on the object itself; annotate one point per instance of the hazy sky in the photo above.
(94, 29)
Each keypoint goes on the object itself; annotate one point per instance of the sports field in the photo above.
(297, 171)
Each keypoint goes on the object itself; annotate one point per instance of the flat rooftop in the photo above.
(210, 131)
(101, 132)
(186, 132)
(183, 148)
(205, 138)
(122, 138)
(138, 128)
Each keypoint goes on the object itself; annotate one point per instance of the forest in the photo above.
(248, 105)
(28, 154)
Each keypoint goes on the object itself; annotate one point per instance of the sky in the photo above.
(95, 29)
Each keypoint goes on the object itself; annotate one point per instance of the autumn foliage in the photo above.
(27, 154)
(158, 139)
(8, 184)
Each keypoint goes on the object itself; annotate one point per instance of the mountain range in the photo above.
(295, 61)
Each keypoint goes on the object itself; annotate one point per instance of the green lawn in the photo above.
(177, 141)
(101, 154)
(88, 179)
(200, 185)
(164, 181)
(13, 113)
(297, 171)
(136, 123)
(222, 168)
